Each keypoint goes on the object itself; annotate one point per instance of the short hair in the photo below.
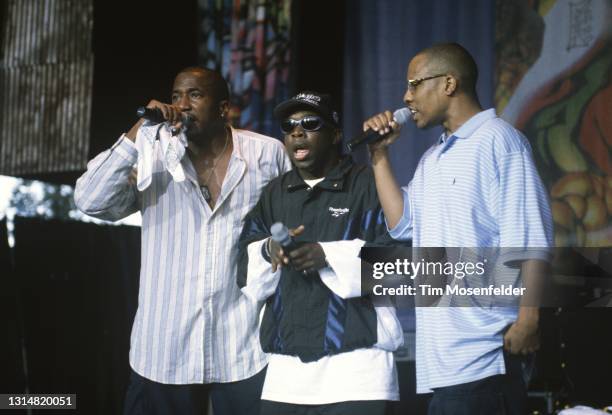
(453, 59)
(220, 87)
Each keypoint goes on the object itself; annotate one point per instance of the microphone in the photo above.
(155, 115)
(280, 235)
(400, 116)
(151, 114)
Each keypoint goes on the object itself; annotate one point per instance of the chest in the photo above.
(210, 174)
(183, 202)
(455, 188)
(327, 215)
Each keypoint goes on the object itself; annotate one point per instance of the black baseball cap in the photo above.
(308, 100)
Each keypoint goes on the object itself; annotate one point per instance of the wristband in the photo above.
(265, 251)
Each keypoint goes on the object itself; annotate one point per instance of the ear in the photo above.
(450, 87)
(224, 107)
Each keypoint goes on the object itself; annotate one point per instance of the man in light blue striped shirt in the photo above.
(193, 326)
(476, 187)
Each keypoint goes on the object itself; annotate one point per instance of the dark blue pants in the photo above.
(145, 397)
(339, 408)
(495, 395)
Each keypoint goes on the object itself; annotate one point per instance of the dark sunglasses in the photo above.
(308, 123)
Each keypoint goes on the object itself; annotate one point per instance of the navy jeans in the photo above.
(145, 397)
(338, 408)
(495, 395)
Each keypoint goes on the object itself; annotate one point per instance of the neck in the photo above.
(206, 146)
(460, 110)
(320, 171)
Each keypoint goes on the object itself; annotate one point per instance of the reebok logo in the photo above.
(337, 212)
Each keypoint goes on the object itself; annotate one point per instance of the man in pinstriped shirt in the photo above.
(194, 332)
(476, 187)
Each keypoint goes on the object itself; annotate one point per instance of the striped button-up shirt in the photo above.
(477, 188)
(193, 324)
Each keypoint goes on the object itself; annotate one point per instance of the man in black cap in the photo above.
(330, 350)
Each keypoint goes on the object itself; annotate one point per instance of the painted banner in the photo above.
(553, 66)
(249, 42)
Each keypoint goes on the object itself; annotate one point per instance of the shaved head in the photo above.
(455, 60)
(213, 78)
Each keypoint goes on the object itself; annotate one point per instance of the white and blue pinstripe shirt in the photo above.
(193, 324)
(477, 188)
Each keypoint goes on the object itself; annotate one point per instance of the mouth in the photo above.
(412, 111)
(300, 155)
(300, 152)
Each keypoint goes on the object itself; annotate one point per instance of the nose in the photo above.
(183, 103)
(297, 131)
(408, 96)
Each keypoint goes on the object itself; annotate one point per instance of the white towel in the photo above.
(172, 149)
(584, 410)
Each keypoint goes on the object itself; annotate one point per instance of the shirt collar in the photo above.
(333, 181)
(237, 150)
(470, 126)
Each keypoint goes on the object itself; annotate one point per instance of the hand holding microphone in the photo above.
(282, 243)
(158, 112)
(304, 258)
(382, 129)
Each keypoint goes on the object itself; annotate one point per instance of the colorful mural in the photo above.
(249, 42)
(553, 66)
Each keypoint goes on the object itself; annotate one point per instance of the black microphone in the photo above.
(151, 114)
(400, 116)
(155, 115)
(280, 235)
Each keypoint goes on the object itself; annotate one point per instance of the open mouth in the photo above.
(300, 152)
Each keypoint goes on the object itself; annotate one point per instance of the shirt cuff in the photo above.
(343, 276)
(403, 230)
(514, 257)
(126, 149)
(261, 281)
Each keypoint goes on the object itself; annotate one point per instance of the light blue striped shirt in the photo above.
(477, 188)
(193, 324)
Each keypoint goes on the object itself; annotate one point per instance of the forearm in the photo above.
(104, 190)
(533, 274)
(388, 190)
(134, 130)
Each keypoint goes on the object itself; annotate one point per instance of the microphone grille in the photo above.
(279, 232)
(402, 115)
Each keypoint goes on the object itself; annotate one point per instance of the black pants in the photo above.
(339, 408)
(495, 395)
(145, 397)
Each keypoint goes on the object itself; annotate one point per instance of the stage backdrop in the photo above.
(46, 70)
(381, 38)
(248, 41)
(554, 60)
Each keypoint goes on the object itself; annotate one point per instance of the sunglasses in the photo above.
(308, 123)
